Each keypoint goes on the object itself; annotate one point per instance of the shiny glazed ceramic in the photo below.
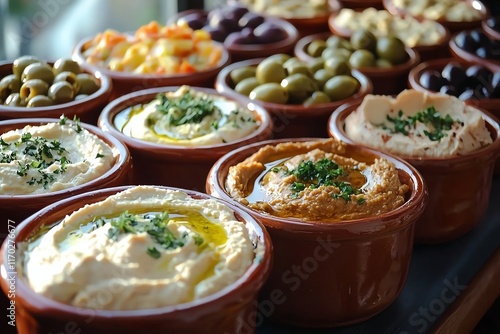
(459, 187)
(339, 273)
(492, 33)
(385, 81)
(467, 56)
(227, 311)
(19, 207)
(124, 82)
(87, 109)
(175, 165)
(292, 120)
(240, 52)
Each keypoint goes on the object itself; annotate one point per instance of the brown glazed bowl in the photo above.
(461, 54)
(87, 109)
(452, 26)
(339, 273)
(124, 82)
(361, 4)
(18, 207)
(292, 120)
(425, 52)
(174, 165)
(240, 52)
(488, 30)
(459, 187)
(227, 311)
(385, 81)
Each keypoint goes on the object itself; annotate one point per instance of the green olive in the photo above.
(38, 71)
(316, 64)
(40, 101)
(336, 53)
(362, 58)
(279, 57)
(241, 73)
(8, 85)
(299, 87)
(64, 64)
(335, 42)
(88, 84)
(270, 92)
(299, 68)
(61, 92)
(20, 64)
(68, 77)
(322, 76)
(270, 70)
(363, 39)
(337, 66)
(316, 47)
(245, 86)
(341, 87)
(392, 49)
(14, 100)
(383, 63)
(316, 98)
(32, 88)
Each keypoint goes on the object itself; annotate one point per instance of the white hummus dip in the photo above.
(418, 124)
(51, 157)
(142, 248)
(189, 117)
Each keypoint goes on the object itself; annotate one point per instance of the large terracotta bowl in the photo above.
(334, 273)
(385, 81)
(459, 187)
(86, 109)
(227, 311)
(174, 165)
(124, 82)
(292, 120)
(19, 207)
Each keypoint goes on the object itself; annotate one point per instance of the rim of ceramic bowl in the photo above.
(492, 33)
(459, 53)
(121, 161)
(222, 85)
(40, 303)
(336, 130)
(108, 114)
(103, 93)
(117, 75)
(354, 228)
(413, 57)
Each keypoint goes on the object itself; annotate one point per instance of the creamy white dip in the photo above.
(51, 157)
(94, 259)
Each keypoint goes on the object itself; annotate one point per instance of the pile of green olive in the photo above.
(362, 50)
(34, 83)
(287, 80)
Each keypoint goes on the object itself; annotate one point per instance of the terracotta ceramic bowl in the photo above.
(426, 52)
(333, 273)
(87, 109)
(385, 81)
(459, 187)
(361, 4)
(124, 82)
(18, 207)
(292, 120)
(227, 311)
(248, 51)
(174, 165)
(460, 53)
(488, 30)
(452, 26)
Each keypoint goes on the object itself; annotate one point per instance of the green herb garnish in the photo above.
(76, 122)
(154, 253)
(99, 155)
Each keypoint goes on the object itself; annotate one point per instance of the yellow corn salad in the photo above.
(154, 49)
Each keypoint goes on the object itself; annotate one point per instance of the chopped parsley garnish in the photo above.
(154, 253)
(99, 155)
(63, 120)
(429, 116)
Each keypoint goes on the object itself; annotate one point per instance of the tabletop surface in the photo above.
(438, 275)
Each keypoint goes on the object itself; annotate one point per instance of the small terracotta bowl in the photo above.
(248, 51)
(452, 26)
(334, 273)
(292, 120)
(124, 82)
(385, 81)
(227, 311)
(174, 165)
(460, 53)
(19, 207)
(488, 30)
(361, 4)
(87, 109)
(425, 52)
(459, 187)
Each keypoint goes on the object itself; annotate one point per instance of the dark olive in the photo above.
(40, 101)
(432, 80)
(61, 92)
(32, 88)
(8, 85)
(88, 83)
(14, 100)
(455, 74)
(68, 77)
(20, 64)
(63, 65)
(38, 71)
